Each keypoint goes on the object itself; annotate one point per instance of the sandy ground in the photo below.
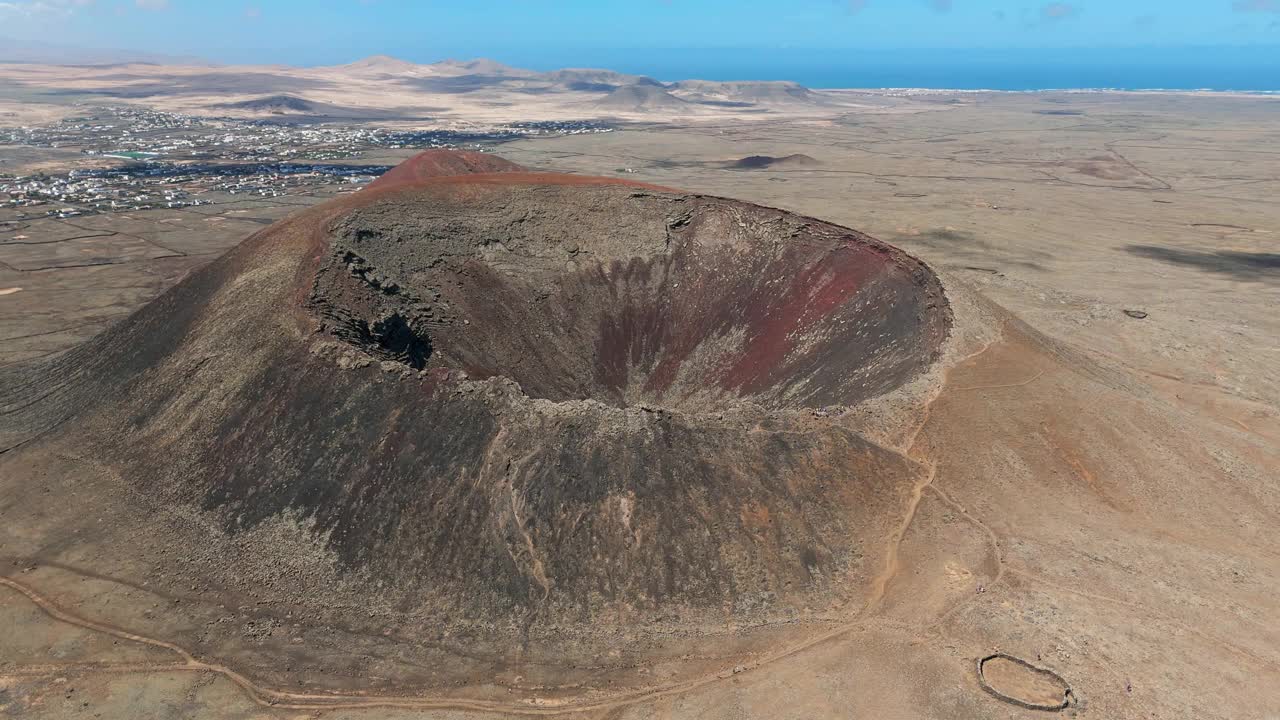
(1100, 497)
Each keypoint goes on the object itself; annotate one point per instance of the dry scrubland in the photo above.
(1084, 480)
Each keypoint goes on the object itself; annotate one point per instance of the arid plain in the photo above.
(1090, 468)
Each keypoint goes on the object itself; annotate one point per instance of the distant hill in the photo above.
(756, 92)
(381, 64)
(276, 103)
(756, 162)
(444, 163)
(480, 66)
(594, 80)
(297, 108)
(641, 98)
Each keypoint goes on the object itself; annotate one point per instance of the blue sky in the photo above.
(558, 32)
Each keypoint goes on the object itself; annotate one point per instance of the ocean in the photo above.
(1243, 68)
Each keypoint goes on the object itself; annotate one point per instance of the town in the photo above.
(152, 159)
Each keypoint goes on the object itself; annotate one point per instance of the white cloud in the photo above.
(152, 4)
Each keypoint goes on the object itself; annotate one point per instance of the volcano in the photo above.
(442, 163)
(480, 395)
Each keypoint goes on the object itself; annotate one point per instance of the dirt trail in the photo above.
(268, 697)
(880, 585)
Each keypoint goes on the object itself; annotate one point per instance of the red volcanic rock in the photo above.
(483, 395)
(443, 163)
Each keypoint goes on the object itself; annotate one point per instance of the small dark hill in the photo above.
(278, 103)
(757, 162)
(642, 98)
(444, 163)
(297, 109)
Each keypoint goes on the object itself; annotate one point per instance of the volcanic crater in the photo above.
(476, 397)
(629, 296)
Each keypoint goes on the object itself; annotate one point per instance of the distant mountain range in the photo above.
(384, 87)
(624, 92)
